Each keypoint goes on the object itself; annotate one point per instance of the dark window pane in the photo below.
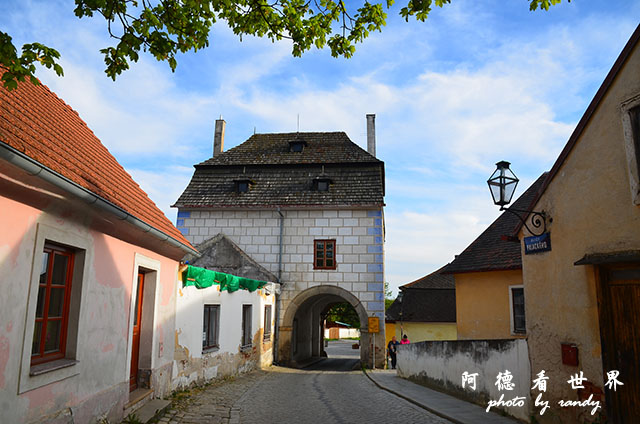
(137, 304)
(43, 270)
(329, 246)
(52, 338)
(59, 274)
(329, 254)
(205, 327)
(42, 292)
(323, 186)
(37, 332)
(329, 262)
(56, 302)
(319, 246)
(519, 325)
(319, 262)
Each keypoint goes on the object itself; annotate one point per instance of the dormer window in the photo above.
(242, 186)
(297, 145)
(322, 184)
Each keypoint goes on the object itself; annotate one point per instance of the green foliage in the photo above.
(165, 28)
(543, 4)
(344, 312)
(132, 419)
(18, 68)
(387, 303)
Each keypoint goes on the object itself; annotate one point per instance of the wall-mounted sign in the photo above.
(537, 244)
(374, 325)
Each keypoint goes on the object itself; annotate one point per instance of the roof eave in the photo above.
(34, 167)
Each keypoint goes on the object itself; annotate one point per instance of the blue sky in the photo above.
(476, 83)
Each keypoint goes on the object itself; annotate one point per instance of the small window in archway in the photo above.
(324, 254)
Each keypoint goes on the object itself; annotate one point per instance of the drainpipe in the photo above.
(33, 167)
(278, 292)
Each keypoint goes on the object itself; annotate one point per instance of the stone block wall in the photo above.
(359, 236)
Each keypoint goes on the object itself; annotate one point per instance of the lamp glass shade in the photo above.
(502, 184)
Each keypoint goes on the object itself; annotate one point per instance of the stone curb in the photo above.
(408, 399)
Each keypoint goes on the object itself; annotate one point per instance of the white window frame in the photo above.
(630, 147)
(51, 372)
(511, 320)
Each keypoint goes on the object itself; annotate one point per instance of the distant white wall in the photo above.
(441, 364)
(343, 333)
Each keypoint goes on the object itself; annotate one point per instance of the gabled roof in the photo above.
(423, 305)
(36, 123)
(221, 254)
(273, 149)
(492, 251)
(283, 178)
(591, 109)
(435, 280)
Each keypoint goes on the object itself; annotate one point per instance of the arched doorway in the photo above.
(301, 328)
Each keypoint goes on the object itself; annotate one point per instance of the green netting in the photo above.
(202, 278)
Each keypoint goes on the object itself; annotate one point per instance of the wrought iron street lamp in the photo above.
(502, 184)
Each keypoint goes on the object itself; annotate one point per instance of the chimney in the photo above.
(371, 133)
(218, 137)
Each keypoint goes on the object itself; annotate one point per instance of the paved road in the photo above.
(328, 392)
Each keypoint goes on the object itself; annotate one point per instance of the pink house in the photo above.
(88, 271)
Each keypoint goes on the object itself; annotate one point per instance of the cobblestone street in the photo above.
(317, 394)
(284, 395)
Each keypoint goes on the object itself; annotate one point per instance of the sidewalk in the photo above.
(446, 406)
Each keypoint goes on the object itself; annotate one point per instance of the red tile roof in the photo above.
(36, 122)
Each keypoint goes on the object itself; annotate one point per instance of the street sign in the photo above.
(537, 244)
(374, 325)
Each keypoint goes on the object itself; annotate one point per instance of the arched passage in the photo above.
(301, 328)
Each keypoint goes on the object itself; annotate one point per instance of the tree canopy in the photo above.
(165, 28)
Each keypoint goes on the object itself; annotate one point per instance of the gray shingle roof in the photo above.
(270, 149)
(424, 305)
(435, 280)
(491, 251)
(283, 178)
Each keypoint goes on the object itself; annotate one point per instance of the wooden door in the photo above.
(135, 340)
(619, 308)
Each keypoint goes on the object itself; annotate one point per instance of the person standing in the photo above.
(392, 351)
(405, 340)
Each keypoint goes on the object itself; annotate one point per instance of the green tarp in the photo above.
(202, 278)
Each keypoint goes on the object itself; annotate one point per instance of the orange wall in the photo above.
(482, 304)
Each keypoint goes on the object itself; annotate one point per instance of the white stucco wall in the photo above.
(442, 363)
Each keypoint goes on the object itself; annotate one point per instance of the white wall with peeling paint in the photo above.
(440, 364)
(192, 364)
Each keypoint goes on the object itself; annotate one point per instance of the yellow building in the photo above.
(488, 279)
(424, 310)
(583, 296)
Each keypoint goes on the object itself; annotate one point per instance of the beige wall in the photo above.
(591, 205)
(482, 304)
(423, 331)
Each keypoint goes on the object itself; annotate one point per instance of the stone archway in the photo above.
(300, 330)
